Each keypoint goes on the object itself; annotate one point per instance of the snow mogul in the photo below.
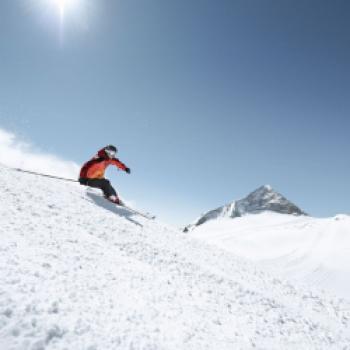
(92, 173)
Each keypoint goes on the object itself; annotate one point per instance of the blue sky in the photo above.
(206, 100)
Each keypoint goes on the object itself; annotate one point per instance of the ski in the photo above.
(145, 215)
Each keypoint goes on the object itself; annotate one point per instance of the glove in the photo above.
(127, 170)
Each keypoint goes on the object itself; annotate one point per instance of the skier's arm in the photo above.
(120, 165)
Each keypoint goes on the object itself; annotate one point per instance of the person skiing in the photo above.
(92, 173)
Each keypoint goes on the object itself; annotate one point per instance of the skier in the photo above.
(92, 172)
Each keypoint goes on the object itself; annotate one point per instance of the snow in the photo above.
(305, 249)
(78, 273)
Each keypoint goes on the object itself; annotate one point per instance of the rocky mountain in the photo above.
(265, 198)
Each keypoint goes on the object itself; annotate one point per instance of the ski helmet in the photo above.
(111, 151)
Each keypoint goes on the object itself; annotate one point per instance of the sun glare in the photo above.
(66, 16)
(65, 5)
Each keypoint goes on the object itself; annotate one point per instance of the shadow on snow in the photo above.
(104, 203)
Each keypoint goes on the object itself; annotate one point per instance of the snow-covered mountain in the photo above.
(78, 273)
(282, 239)
(262, 199)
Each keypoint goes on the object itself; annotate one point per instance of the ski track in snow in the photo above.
(77, 275)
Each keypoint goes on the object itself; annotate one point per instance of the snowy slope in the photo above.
(311, 250)
(77, 273)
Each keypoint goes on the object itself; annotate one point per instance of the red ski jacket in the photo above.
(95, 168)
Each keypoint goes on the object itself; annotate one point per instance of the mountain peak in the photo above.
(262, 190)
(264, 198)
(266, 188)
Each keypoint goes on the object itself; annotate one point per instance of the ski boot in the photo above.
(116, 200)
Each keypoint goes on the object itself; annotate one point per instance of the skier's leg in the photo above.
(106, 187)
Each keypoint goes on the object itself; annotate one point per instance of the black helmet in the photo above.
(111, 151)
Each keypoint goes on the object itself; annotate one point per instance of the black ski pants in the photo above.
(103, 184)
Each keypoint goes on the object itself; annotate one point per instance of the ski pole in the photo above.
(44, 175)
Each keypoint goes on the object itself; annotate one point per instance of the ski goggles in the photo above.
(110, 153)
